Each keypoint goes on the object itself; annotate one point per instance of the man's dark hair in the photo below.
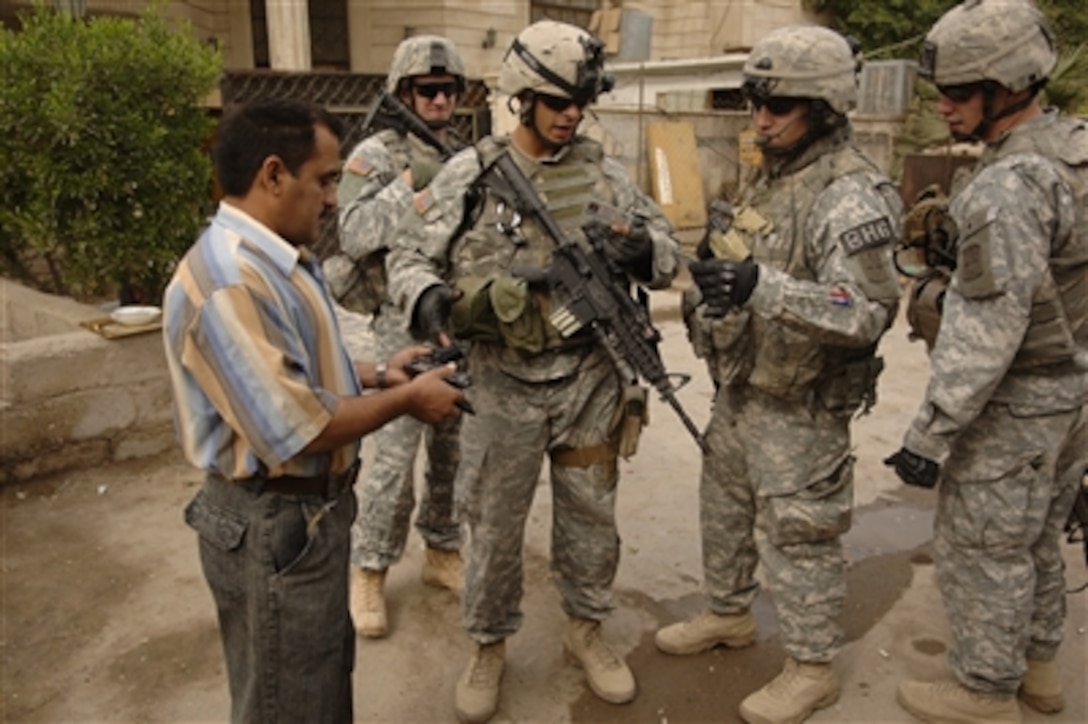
(250, 133)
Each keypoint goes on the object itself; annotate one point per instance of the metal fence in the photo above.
(349, 96)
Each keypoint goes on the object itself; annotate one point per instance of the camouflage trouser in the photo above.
(503, 447)
(387, 494)
(1004, 496)
(777, 488)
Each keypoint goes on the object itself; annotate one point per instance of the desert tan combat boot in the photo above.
(949, 701)
(793, 695)
(367, 602)
(478, 688)
(1041, 688)
(608, 675)
(706, 631)
(443, 569)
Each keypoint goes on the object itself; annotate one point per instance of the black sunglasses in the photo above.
(959, 93)
(775, 105)
(558, 103)
(430, 91)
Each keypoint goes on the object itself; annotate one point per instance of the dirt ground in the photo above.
(106, 616)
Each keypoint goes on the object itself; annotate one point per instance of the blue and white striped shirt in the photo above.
(257, 364)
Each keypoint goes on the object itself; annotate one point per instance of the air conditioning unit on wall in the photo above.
(886, 87)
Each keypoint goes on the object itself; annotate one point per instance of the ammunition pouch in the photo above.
(852, 386)
(1049, 340)
(499, 310)
(632, 415)
(924, 308)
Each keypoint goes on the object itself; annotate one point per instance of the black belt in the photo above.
(329, 485)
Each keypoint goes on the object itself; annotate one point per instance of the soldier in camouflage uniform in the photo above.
(380, 175)
(1003, 427)
(787, 309)
(536, 393)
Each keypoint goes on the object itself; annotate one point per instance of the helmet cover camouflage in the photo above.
(557, 59)
(424, 55)
(1006, 41)
(804, 61)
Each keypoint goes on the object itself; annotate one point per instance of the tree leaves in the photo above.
(102, 174)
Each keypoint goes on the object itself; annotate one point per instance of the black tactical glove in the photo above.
(631, 248)
(724, 284)
(432, 312)
(913, 469)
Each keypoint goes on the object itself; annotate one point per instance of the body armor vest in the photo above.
(516, 313)
(370, 286)
(781, 361)
(1059, 312)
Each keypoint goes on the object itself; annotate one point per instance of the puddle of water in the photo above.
(885, 530)
(881, 547)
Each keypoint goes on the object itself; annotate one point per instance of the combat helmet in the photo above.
(804, 61)
(556, 59)
(1008, 42)
(424, 55)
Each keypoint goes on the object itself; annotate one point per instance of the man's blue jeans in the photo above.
(277, 566)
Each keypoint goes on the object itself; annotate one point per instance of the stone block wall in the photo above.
(70, 398)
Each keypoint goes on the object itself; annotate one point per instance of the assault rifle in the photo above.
(588, 281)
(392, 113)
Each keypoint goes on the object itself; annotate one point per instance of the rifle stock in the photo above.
(398, 116)
(594, 299)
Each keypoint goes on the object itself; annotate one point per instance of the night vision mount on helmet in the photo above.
(555, 58)
(804, 61)
(424, 55)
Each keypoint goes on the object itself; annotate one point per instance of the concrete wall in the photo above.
(702, 28)
(70, 398)
(377, 26)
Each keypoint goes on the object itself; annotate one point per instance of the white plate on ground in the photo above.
(136, 315)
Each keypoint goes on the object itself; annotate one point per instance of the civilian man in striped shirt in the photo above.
(271, 407)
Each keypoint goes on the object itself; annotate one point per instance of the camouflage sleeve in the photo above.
(372, 197)
(1006, 217)
(848, 237)
(419, 257)
(633, 201)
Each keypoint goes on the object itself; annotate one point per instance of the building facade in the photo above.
(673, 60)
(360, 35)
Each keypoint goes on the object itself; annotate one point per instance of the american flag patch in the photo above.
(359, 166)
(841, 297)
(423, 201)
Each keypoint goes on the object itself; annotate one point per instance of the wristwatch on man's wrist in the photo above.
(380, 371)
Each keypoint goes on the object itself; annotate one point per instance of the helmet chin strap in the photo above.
(989, 118)
(527, 118)
(817, 129)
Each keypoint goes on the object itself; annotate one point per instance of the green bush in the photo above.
(104, 172)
